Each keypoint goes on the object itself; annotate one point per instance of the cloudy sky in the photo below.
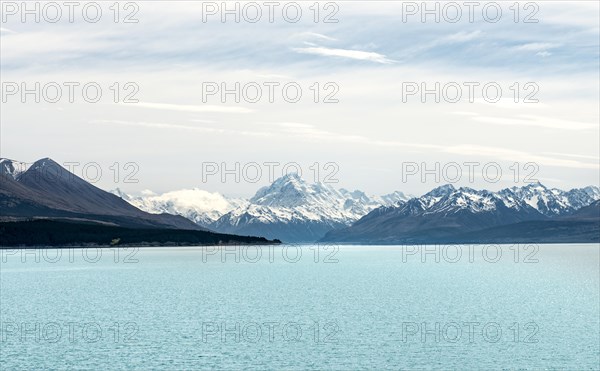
(373, 52)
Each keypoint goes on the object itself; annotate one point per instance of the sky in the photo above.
(367, 128)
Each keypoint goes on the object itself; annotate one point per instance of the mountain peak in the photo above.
(12, 168)
(535, 186)
(289, 190)
(441, 191)
(293, 175)
(289, 178)
(46, 162)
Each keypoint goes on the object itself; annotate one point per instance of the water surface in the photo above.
(347, 307)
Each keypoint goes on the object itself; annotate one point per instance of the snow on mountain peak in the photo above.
(12, 168)
(292, 201)
(441, 191)
(551, 202)
(593, 192)
(195, 204)
(536, 186)
(45, 163)
(289, 199)
(291, 191)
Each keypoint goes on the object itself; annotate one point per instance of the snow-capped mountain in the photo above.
(552, 201)
(549, 202)
(391, 198)
(294, 210)
(315, 201)
(12, 168)
(452, 200)
(45, 189)
(201, 207)
(446, 211)
(289, 209)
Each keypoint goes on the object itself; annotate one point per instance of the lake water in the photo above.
(347, 307)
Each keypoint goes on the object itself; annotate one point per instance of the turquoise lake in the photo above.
(509, 307)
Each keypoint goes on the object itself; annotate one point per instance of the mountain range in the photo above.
(45, 190)
(448, 215)
(293, 210)
(289, 209)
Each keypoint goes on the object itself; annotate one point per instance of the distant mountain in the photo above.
(581, 226)
(391, 198)
(447, 214)
(289, 209)
(553, 202)
(46, 189)
(202, 207)
(591, 212)
(292, 210)
(12, 169)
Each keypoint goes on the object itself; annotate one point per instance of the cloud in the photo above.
(540, 48)
(202, 121)
(312, 133)
(147, 192)
(464, 113)
(537, 121)
(191, 108)
(295, 125)
(536, 46)
(170, 56)
(596, 158)
(516, 155)
(346, 53)
(462, 36)
(274, 76)
(316, 36)
(170, 126)
(509, 103)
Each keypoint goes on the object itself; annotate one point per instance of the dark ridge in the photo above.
(52, 233)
